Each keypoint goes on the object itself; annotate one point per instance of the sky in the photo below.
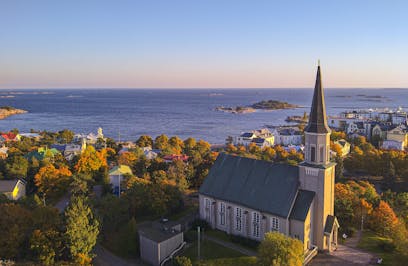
(203, 43)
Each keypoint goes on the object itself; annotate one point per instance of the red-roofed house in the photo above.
(173, 157)
(10, 136)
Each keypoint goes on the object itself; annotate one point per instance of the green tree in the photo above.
(278, 249)
(66, 135)
(46, 246)
(82, 230)
(161, 142)
(16, 167)
(145, 141)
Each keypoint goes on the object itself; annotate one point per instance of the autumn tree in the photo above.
(127, 158)
(278, 249)
(82, 230)
(383, 220)
(91, 160)
(65, 135)
(46, 246)
(52, 181)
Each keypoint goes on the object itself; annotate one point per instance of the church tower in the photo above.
(316, 173)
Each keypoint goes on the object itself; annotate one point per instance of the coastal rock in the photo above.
(6, 111)
(263, 105)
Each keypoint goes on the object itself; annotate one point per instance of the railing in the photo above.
(310, 255)
(172, 254)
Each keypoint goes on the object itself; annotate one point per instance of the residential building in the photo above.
(173, 157)
(345, 147)
(262, 137)
(10, 136)
(398, 134)
(13, 189)
(249, 197)
(159, 241)
(287, 135)
(117, 175)
(42, 153)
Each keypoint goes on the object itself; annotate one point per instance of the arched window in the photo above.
(313, 154)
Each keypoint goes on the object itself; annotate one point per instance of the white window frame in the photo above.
(238, 219)
(222, 213)
(207, 208)
(274, 224)
(256, 220)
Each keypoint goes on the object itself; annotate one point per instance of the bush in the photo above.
(387, 245)
(182, 261)
(253, 244)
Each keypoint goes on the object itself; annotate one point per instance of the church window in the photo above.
(274, 224)
(255, 224)
(321, 154)
(222, 213)
(207, 209)
(313, 154)
(238, 219)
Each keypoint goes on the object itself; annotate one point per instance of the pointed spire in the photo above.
(317, 118)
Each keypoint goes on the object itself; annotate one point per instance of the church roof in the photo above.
(256, 184)
(302, 205)
(330, 222)
(317, 118)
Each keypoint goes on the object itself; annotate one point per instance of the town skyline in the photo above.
(202, 45)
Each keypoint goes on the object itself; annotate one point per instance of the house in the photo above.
(173, 157)
(287, 135)
(392, 145)
(3, 152)
(345, 147)
(379, 131)
(116, 176)
(13, 189)
(150, 153)
(42, 153)
(249, 197)
(159, 241)
(261, 137)
(70, 150)
(398, 134)
(91, 138)
(356, 128)
(10, 136)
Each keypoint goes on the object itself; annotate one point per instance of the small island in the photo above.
(262, 105)
(6, 111)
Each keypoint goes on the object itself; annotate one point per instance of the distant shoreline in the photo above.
(6, 111)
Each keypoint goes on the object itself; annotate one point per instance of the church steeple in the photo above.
(317, 118)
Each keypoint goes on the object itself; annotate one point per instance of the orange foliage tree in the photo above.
(91, 160)
(52, 181)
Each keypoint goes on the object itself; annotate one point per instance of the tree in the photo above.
(127, 158)
(278, 249)
(161, 142)
(176, 145)
(16, 167)
(82, 230)
(144, 141)
(66, 135)
(182, 261)
(91, 160)
(14, 223)
(46, 246)
(383, 219)
(189, 145)
(52, 181)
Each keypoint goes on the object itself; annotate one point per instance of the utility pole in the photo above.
(198, 240)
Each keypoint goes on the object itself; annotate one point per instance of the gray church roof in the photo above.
(302, 205)
(256, 184)
(317, 118)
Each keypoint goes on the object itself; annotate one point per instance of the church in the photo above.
(249, 197)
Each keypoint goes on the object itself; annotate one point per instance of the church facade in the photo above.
(249, 197)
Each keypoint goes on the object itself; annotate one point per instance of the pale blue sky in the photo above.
(202, 44)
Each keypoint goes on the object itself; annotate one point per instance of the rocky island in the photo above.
(262, 105)
(6, 111)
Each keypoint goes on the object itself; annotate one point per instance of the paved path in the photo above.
(231, 246)
(354, 240)
(344, 255)
(106, 258)
(63, 202)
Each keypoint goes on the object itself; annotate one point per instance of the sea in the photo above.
(126, 114)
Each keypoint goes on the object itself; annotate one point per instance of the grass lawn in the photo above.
(372, 243)
(210, 250)
(225, 237)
